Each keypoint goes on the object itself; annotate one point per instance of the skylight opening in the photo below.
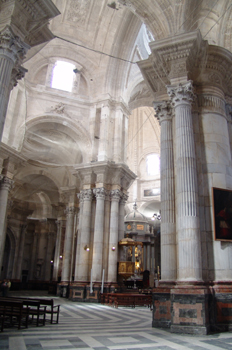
(63, 76)
(153, 164)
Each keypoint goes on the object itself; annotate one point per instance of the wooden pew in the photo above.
(51, 309)
(13, 310)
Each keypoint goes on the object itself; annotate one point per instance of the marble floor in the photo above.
(94, 326)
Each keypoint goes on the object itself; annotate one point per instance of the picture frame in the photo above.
(222, 214)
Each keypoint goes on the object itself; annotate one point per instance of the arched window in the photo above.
(63, 76)
(153, 164)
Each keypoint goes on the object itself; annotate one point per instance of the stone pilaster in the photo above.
(100, 194)
(83, 259)
(168, 226)
(188, 226)
(56, 262)
(5, 186)
(12, 53)
(113, 239)
(67, 255)
(23, 229)
(33, 255)
(121, 223)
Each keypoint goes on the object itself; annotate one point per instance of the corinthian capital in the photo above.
(12, 45)
(69, 211)
(163, 110)
(115, 195)
(181, 94)
(100, 192)
(6, 183)
(87, 194)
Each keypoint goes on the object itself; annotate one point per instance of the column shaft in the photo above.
(5, 186)
(98, 235)
(188, 226)
(65, 276)
(168, 226)
(56, 262)
(113, 241)
(83, 260)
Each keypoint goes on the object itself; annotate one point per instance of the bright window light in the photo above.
(62, 77)
(153, 164)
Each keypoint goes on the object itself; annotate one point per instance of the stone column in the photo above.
(33, 255)
(23, 229)
(121, 224)
(188, 226)
(50, 242)
(83, 259)
(113, 240)
(100, 194)
(168, 226)
(56, 262)
(67, 255)
(149, 257)
(77, 262)
(5, 186)
(12, 53)
(144, 257)
(103, 152)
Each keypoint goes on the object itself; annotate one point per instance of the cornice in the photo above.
(29, 19)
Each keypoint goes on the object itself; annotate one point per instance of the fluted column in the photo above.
(77, 262)
(56, 262)
(188, 226)
(113, 240)
(67, 255)
(144, 257)
(48, 256)
(5, 186)
(168, 225)
(33, 255)
(100, 194)
(121, 224)
(23, 229)
(148, 257)
(83, 259)
(12, 53)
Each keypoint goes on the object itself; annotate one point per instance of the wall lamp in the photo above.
(86, 248)
(113, 249)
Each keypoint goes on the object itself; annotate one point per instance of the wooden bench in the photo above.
(48, 304)
(127, 299)
(13, 310)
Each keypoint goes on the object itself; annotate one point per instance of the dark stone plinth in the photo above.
(94, 296)
(161, 317)
(63, 289)
(190, 312)
(77, 291)
(220, 307)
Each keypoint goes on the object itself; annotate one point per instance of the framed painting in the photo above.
(222, 212)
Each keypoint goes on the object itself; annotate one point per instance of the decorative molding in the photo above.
(182, 93)
(87, 194)
(115, 195)
(163, 111)
(100, 193)
(212, 103)
(6, 183)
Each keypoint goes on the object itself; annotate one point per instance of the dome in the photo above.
(135, 215)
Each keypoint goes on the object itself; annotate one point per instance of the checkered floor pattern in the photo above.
(93, 326)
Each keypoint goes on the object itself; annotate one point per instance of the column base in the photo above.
(78, 291)
(220, 306)
(63, 289)
(190, 311)
(161, 299)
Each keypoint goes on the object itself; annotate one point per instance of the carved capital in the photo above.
(18, 72)
(12, 46)
(163, 111)
(124, 198)
(181, 94)
(70, 211)
(6, 183)
(211, 103)
(115, 195)
(100, 193)
(87, 195)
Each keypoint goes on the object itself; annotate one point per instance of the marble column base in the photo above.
(77, 291)
(190, 309)
(220, 306)
(63, 289)
(161, 299)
